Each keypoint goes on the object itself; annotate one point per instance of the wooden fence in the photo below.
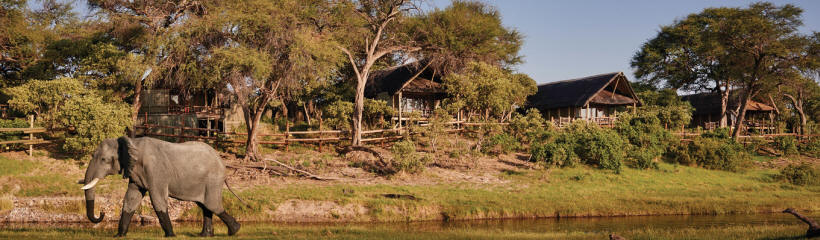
(288, 137)
(31, 141)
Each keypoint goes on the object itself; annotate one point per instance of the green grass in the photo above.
(33, 180)
(566, 192)
(274, 231)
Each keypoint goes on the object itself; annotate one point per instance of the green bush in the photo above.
(554, 154)
(587, 143)
(90, 120)
(803, 174)
(811, 147)
(647, 136)
(405, 157)
(786, 144)
(527, 127)
(336, 115)
(719, 133)
(500, 144)
(710, 153)
(10, 136)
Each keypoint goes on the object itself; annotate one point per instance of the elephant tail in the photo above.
(234, 194)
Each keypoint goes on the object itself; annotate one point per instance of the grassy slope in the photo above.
(531, 193)
(568, 192)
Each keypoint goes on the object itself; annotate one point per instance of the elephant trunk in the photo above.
(89, 207)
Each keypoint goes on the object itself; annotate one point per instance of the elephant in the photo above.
(189, 171)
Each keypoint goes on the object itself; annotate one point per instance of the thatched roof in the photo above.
(709, 103)
(412, 77)
(597, 89)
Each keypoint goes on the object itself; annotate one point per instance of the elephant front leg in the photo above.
(130, 203)
(159, 198)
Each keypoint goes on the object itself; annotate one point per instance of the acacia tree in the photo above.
(489, 91)
(684, 56)
(764, 46)
(372, 31)
(139, 27)
(258, 47)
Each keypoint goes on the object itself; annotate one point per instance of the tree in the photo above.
(488, 90)
(139, 27)
(684, 56)
(464, 32)
(747, 48)
(372, 30)
(258, 48)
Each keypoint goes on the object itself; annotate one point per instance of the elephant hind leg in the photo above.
(207, 221)
(233, 225)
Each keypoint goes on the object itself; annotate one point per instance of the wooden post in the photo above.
(31, 136)
(320, 134)
(181, 127)
(399, 107)
(287, 135)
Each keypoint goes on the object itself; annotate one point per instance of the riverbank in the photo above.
(44, 189)
(757, 226)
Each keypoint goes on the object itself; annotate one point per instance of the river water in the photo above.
(598, 226)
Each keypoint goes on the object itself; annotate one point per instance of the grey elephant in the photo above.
(190, 171)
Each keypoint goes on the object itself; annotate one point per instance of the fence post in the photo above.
(287, 134)
(31, 136)
(320, 134)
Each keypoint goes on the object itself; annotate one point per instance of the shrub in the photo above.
(500, 144)
(527, 127)
(437, 128)
(786, 144)
(9, 136)
(405, 157)
(337, 114)
(710, 153)
(587, 143)
(803, 174)
(644, 132)
(554, 154)
(90, 120)
(720, 133)
(811, 147)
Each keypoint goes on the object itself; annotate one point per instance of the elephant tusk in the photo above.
(91, 184)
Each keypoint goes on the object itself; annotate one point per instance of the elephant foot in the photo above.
(170, 235)
(119, 235)
(233, 225)
(206, 234)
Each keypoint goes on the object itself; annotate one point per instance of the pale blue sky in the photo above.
(575, 38)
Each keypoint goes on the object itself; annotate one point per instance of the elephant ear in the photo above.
(127, 152)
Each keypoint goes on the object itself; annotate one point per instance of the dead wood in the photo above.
(382, 165)
(814, 228)
(305, 173)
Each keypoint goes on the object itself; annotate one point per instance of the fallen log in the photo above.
(814, 228)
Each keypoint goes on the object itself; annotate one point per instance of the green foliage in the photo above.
(587, 142)
(376, 112)
(407, 159)
(803, 174)
(529, 127)
(811, 147)
(437, 127)
(92, 120)
(66, 103)
(667, 106)
(337, 114)
(8, 136)
(710, 153)
(649, 139)
(719, 133)
(502, 143)
(488, 90)
(786, 144)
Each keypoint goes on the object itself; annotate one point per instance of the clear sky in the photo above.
(575, 38)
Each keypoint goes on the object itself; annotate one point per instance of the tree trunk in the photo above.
(358, 109)
(136, 108)
(741, 114)
(724, 105)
